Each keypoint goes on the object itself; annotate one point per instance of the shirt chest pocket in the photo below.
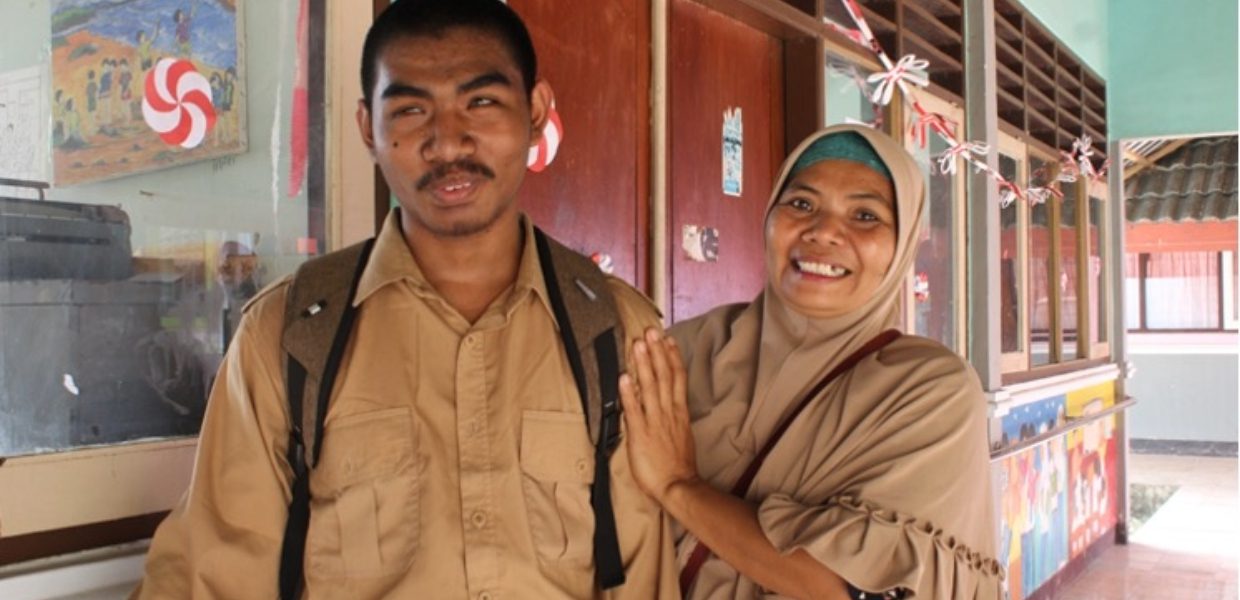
(365, 517)
(557, 465)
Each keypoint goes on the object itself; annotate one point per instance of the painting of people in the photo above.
(141, 85)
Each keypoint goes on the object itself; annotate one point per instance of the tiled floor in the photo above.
(1189, 549)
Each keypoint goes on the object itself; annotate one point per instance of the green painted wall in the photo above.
(1082, 25)
(1173, 68)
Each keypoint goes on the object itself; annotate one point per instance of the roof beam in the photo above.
(1153, 158)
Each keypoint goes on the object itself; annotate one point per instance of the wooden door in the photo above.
(596, 57)
(719, 64)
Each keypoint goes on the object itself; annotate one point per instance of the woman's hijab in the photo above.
(797, 351)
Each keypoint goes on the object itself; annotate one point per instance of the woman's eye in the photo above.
(866, 215)
(801, 204)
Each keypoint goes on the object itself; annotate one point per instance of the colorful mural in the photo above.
(1092, 458)
(1030, 420)
(1034, 529)
(139, 85)
(1059, 496)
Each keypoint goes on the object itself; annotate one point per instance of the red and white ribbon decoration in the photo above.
(947, 160)
(927, 121)
(910, 69)
(177, 103)
(544, 152)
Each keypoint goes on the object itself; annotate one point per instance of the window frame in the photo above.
(1013, 147)
(954, 113)
(1054, 341)
(1100, 348)
(1227, 302)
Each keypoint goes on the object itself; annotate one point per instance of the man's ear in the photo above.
(365, 126)
(541, 99)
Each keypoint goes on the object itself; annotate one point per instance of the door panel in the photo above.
(594, 55)
(716, 64)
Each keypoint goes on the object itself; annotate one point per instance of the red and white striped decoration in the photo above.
(177, 103)
(544, 152)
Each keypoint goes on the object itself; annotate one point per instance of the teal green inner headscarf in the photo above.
(846, 145)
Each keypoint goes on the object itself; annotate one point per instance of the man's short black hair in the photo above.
(432, 18)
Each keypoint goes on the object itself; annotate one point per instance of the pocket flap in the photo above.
(364, 447)
(556, 447)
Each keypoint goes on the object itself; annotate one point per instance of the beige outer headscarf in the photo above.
(885, 477)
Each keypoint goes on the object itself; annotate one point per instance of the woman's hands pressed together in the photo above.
(660, 441)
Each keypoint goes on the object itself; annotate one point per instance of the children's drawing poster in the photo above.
(23, 130)
(733, 152)
(140, 85)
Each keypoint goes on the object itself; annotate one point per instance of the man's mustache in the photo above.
(444, 170)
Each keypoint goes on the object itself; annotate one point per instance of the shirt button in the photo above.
(486, 596)
(479, 519)
(582, 466)
(471, 340)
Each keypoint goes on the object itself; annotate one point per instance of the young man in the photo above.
(455, 458)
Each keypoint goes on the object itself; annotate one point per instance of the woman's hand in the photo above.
(661, 453)
(660, 440)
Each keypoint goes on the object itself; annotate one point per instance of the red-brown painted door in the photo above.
(719, 64)
(596, 57)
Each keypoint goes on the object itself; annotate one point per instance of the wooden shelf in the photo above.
(1099, 137)
(1006, 30)
(1092, 99)
(1011, 98)
(1092, 116)
(1069, 122)
(944, 7)
(938, 58)
(1041, 54)
(1012, 78)
(1039, 101)
(878, 22)
(1045, 83)
(1010, 52)
(1044, 90)
(944, 33)
(1069, 99)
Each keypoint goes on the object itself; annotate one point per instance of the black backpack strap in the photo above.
(586, 314)
(318, 319)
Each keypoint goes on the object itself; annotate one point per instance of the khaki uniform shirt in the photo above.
(455, 461)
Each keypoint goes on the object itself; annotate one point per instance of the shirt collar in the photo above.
(392, 261)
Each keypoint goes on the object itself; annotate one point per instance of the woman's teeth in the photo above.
(824, 269)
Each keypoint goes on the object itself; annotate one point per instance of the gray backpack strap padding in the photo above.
(317, 298)
(588, 300)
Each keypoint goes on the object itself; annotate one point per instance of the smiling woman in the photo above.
(832, 431)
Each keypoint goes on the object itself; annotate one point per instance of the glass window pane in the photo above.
(120, 293)
(1011, 306)
(1097, 274)
(845, 100)
(1040, 268)
(1182, 291)
(1132, 291)
(1068, 270)
(1231, 290)
(934, 284)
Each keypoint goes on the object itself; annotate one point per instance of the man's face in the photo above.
(450, 126)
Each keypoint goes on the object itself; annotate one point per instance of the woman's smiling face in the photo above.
(830, 237)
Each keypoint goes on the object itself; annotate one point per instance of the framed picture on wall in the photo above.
(142, 85)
